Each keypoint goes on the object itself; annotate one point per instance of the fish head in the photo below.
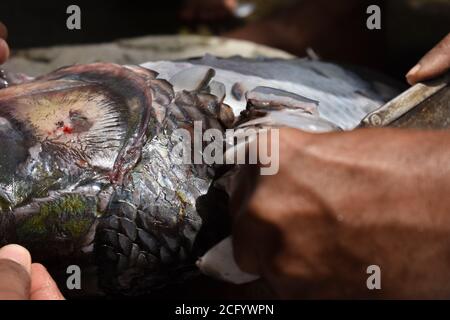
(90, 172)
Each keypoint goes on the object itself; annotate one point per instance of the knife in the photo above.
(423, 106)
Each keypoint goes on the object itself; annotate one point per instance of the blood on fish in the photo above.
(67, 129)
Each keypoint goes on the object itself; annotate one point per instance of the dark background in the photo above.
(43, 22)
(406, 35)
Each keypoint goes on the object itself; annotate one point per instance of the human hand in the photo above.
(22, 280)
(342, 202)
(4, 49)
(434, 63)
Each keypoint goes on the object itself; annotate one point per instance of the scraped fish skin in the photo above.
(91, 175)
(344, 96)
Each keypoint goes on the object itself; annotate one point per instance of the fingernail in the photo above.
(414, 70)
(17, 254)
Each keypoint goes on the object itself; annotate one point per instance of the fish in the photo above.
(90, 172)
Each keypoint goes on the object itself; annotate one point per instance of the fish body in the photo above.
(90, 171)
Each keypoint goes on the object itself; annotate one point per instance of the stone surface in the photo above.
(38, 61)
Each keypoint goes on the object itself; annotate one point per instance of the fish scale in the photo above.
(162, 229)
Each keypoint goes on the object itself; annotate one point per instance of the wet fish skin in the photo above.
(93, 174)
(93, 180)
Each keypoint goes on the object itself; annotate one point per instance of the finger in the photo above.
(15, 267)
(433, 64)
(3, 31)
(43, 287)
(4, 51)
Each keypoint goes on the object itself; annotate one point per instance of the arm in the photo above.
(344, 201)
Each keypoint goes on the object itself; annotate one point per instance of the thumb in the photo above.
(15, 269)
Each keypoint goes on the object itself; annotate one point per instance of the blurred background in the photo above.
(331, 30)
